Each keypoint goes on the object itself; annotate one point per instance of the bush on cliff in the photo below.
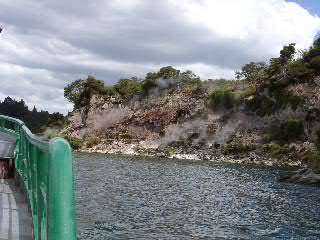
(293, 129)
(222, 99)
(237, 148)
(90, 142)
(272, 81)
(167, 80)
(252, 72)
(128, 88)
(315, 64)
(155, 83)
(80, 91)
(277, 151)
(261, 105)
(286, 98)
(108, 91)
(280, 99)
(75, 143)
(298, 72)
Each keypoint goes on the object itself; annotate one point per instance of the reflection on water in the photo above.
(134, 198)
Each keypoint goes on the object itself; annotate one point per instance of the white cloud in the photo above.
(208, 72)
(268, 23)
(37, 87)
(45, 46)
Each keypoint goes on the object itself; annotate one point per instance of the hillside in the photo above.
(269, 115)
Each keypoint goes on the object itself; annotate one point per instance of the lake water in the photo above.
(141, 198)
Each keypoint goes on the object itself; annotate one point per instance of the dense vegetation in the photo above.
(290, 130)
(34, 120)
(273, 84)
(166, 80)
(267, 84)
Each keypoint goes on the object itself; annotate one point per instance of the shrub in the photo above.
(298, 72)
(277, 150)
(315, 64)
(124, 135)
(168, 151)
(285, 98)
(250, 91)
(295, 101)
(261, 105)
(188, 79)
(108, 91)
(75, 143)
(309, 156)
(312, 53)
(92, 142)
(293, 129)
(222, 99)
(235, 148)
(128, 88)
(267, 137)
(147, 85)
(80, 91)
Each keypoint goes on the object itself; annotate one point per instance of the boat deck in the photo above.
(15, 220)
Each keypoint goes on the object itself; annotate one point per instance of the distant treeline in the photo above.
(36, 121)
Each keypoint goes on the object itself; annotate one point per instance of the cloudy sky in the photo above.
(47, 44)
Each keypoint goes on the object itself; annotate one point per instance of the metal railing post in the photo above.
(61, 191)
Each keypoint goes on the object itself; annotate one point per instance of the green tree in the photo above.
(223, 99)
(188, 78)
(277, 72)
(315, 64)
(169, 78)
(287, 53)
(252, 72)
(80, 91)
(73, 91)
(128, 88)
(168, 72)
(91, 87)
(316, 43)
(298, 72)
(312, 57)
(165, 78)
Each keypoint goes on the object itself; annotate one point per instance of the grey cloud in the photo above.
(150, 33)
(55, 42)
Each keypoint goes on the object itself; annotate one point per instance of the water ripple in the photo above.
(136, 198)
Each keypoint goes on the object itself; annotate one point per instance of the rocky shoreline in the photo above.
(303, 175)
(149, 149)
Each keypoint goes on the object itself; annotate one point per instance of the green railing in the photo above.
(46, 170)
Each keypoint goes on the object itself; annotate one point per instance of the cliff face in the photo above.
(185, 124)
(145, 119)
